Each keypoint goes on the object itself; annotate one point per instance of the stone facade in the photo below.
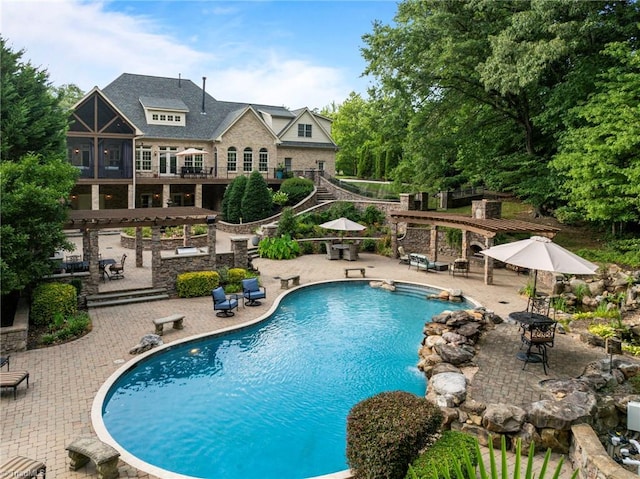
(14, 338)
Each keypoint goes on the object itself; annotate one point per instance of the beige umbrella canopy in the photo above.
(541, 254)
(343, 224)
(192, 151)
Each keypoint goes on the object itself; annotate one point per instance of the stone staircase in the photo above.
(323, 195)
(129, 296)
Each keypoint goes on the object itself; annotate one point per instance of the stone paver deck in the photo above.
(64, 379)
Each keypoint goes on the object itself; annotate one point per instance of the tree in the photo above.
(33, 210)
(35, 178)
(482, 79)
(234, 202)
(68, 95)
(31, 118)
(257, 202)
(600, 155)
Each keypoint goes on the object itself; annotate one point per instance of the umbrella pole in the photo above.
(535, 281)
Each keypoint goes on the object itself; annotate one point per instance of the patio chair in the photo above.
(222, 303)
(351, 253)
(332, 253)
(460, 266)
(252, 292)
(539, 335)
(117, 269)
(402, 254)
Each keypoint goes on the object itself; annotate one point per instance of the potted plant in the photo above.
(280, 169)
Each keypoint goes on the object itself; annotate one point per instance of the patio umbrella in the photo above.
(192, 151)
(343, 224)
(540, 254)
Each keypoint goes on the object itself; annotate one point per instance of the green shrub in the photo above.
(78, 324)
(441, 455)
(50, 299)
(196, 284)
(307, 247)
(61, 328)
(297, 189)
(287, 223)
(280, 198)
(282, 247)
(373, 215)
(257, 202)
(369, 245)
(236, 275)
(76, 283)
(387, 431)
(232, 200)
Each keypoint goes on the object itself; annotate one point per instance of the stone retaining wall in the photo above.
(14, 338)
(166, 244)
(589, 457)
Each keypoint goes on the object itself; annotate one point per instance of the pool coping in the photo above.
(96, 407)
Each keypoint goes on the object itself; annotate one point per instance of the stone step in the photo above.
(125, 293)
(126, 300)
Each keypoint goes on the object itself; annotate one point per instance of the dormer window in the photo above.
(304, 130)
(164, 111)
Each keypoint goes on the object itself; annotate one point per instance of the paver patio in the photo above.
(64, 379)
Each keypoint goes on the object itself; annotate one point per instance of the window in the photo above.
(247, 160)
(287, 164)
(177, 118)
(169, 117)
(321, 165)
(304, 130)
(143, 158)
(155, 117)
(263, 160)
(232, 159)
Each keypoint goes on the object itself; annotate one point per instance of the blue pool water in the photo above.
(271, 401)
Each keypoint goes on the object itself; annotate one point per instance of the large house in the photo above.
(145, 141)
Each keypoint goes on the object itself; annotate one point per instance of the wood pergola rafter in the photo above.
(131, 218)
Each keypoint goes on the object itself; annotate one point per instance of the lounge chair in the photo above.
(222, 303)
(421, 261)
(460, 266)
(252, 292)
(23, 467)
(12, 379)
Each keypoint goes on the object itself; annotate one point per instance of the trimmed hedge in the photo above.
(297, 189)
(387, 431)
(438, 460)
(51, 299)
(199, 283)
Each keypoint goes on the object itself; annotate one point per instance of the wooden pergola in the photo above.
(488, 228)
(132, 218)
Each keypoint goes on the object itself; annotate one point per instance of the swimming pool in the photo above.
(270, 401)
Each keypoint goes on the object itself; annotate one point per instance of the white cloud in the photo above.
(89, 45)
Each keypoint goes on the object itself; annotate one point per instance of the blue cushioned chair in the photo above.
(252, 292)
(222, 303)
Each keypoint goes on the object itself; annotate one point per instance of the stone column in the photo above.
(488, 262)
(239, 249)
(465, 244)
(86, 246)
(198, 199)
(211, 240)
(94, 269)
(156, 260)
(166, 194)
(131, 199)
(95, 197)
(433, 244)
(186, 235)
(139, 247)
(269, 231)
(404, 201)
(394, 240)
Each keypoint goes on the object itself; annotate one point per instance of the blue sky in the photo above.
(291, 53)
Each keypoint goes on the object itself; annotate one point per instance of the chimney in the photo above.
(179, 80)
(204, 80)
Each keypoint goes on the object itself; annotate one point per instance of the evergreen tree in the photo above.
(234, 204)
(257, 202)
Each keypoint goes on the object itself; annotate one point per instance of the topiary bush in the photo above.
(51, 299)
(257, 202)
(297, 189)
(196, 284)
(436, 462)
(387, 431)
(232, 199)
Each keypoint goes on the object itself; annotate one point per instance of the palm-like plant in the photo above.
(465, 469)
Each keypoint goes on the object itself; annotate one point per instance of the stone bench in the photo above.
(346, 271)
(87, 448)
(294, 279)
(176, 319)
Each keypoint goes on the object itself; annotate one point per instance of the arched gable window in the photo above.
(247, 160)
(263, 160)
(232, 159)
